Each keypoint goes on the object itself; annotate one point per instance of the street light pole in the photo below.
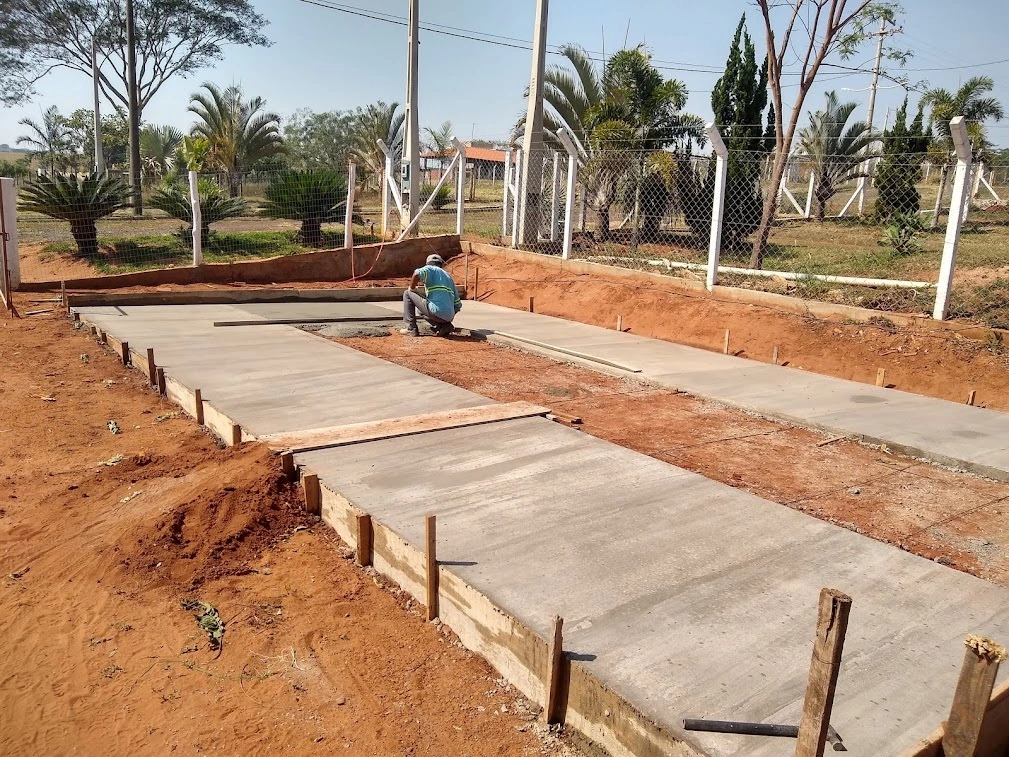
(131, 68)
(410, 170)
(99, 155)
(531, 191)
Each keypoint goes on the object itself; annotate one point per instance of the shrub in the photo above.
(313, 197)
(80, 201)
(441, 199)
(173, 198)
(901, 234)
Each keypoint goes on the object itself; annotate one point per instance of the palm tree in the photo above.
(173, 198)
(439, 141)
(375, 122)
(158, 147)
(81, 201)
(836, 151)
(314, 197)
(238, 132)
(971, 102)
(50, 140)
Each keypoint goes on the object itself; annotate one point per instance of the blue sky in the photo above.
(324, 60)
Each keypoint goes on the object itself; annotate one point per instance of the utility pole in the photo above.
(99, 155)
(410, 167)
(882, 33)
(131, 66)
(531, 214)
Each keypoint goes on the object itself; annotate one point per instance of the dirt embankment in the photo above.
(103, 534)
(929, 362)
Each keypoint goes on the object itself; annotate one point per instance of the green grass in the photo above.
(124, 255)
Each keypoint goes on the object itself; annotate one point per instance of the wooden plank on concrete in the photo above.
(831, 625)
(295, 321)
(355, 433)
(234, 296)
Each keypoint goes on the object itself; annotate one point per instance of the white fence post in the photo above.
(8, 206)
(555, 207)
(460, 191)
(809, 194)
(569, 203)
(389, 188)
(348, 223)
(507, 186)
(194, 201)
(960, 200)
(718, 204)
(516, 188)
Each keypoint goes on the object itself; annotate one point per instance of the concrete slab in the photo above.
(308, 310)
(271, 379)
(678, 592)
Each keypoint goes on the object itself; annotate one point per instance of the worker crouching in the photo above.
(439, 303)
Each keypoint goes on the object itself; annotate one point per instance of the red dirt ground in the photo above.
(956, 519)
(933, 363)
(96, 555)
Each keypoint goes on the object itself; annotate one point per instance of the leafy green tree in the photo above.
(159, 146)
(314, 197)
(174, 39)
(172, 197)
(80, 201)
(897, 174)
(372, 123)
(439, 141)
(318, 140)
(239, 133)
(738, 101)
(49, 140)
(16, 169)
(834, 149)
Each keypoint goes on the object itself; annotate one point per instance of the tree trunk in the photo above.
(85, 234)
(821, 205)
(204, 234)
(770, 210)
(604, 223)
(636, 231)
(311, 232)
(938, 200)
(234, 183)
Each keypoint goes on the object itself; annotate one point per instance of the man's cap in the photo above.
(435, 260)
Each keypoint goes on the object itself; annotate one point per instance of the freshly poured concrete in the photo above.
(687, 597)
(270, 379)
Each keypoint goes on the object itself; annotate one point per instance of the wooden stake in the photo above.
(287, 464)
(101, 337)
(531, 305)
(831, 625)
(432, 567)
(725, 349)
(970, 397)
(774, 355)
(77, 317)
(620, 323)
(466, 283)
(236, 436)
(476, 283)
(126, 353)
(555, 657)
(198, 398)
(881, 377)
(152, 367)
(313, 493)
(365, 541)
(161, 381)
(962, 732)
(63, 293)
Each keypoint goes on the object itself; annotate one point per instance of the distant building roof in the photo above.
(474, 153)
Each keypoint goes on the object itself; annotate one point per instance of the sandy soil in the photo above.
(929, 362)
(956, 519)
(103, 534)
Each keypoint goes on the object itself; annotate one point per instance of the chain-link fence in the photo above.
(854, 222)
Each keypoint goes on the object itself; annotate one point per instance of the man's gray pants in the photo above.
(414, 303)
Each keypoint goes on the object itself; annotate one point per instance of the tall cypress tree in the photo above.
(904, 151)
(738, 100)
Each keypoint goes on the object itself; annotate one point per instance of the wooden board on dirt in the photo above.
(188, 399)
(229, 431)
(355, 433)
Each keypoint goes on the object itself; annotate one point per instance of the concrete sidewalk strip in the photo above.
(950, 433)
(684, 597)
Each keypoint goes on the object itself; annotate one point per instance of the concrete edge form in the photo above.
(994, 734)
